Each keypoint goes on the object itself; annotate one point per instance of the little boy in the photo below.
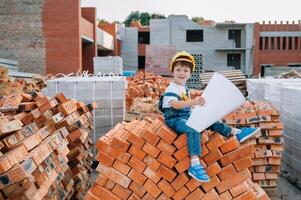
(176, 105)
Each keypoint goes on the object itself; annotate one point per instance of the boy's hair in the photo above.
(183, 63)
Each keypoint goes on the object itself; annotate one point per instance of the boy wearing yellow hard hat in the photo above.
(176, 106)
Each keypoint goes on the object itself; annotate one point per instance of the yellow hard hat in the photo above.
(182, 56)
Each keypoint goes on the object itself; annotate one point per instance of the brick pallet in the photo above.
(44, 145)
(268, 144)
(146, 160)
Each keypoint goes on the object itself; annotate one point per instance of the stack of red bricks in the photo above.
(145, 85)
(44, 144)
(269, 143)
(146, 160)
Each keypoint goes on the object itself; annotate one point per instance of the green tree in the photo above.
(102, 21)
(133, 16)
(198, 20)
(144, 17)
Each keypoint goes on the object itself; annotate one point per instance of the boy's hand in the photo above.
(199, 101)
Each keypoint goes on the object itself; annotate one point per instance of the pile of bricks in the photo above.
(269, 143)
(145, 85)
(44, 147)
(146, 160)
(9, 85)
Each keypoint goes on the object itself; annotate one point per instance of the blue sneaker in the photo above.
(198, 172)
(245, 133)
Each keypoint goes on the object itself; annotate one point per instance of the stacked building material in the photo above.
(108, 65)
(10, 85)
(107, 92)
(269, 143)
(235, 76)
(45, 147)
(145, 85)
(146, 160)
(284, 94)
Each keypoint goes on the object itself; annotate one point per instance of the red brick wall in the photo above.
(265, 54)
(112, 30)
(62, 38)
(89, 51)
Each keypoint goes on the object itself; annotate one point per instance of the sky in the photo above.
(218, 10)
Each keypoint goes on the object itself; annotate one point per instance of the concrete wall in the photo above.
(21, 35)
(129, 47)
(172, 31)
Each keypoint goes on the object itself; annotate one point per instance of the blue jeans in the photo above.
(193, 136)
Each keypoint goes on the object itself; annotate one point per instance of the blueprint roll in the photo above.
(222, 97)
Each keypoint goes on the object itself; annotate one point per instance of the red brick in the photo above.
(181, 194)
(232, 181)
(210, 185)
(183, 165)
(135, 140)
(258, 176)
(109, 184)
(137, 189)
(121, 192)
(180, 181)
(152, 163)
(239, 189)
(137, 164)
(121, 167)
(243, 163)
(167, 134)
(274, 161)
(149, 135)
(237, 154)
(151, 150)
(226, 172)
(152, 175)
(152, 188)
(260, 161)
(181, 153)
(166, 188)
(271, 175)
(124, 157)
(165, 147)
(181, 141)
(205, 137)
(205, 151)
(211, 195)
(216, 140)
(103, 193)
(249, 195)
(105, 159)
(166, 160)
(230, 144)
(137, 177)
(192, 184)
(166, 173)
(101, 180)
(137, 152)
(213, 169)
(134, 197)
(225, 196)
(114, 175)
(162, 197)
(147, 196)
(197, 194)
(212, 157)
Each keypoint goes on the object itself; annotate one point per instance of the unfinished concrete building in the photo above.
(221, 46)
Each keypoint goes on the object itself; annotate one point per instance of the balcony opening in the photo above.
(272, 43)
(235, 34)
(233, 61)
(290, 43)
(143, 37)
(283, 43)
(141, 62)
(296, 43)
(194, 36)
(278, 43)
(266, 43)
(260, 43)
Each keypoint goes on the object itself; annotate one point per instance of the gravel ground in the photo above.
(286, 191)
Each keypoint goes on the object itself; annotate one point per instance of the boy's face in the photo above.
(181, 74)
